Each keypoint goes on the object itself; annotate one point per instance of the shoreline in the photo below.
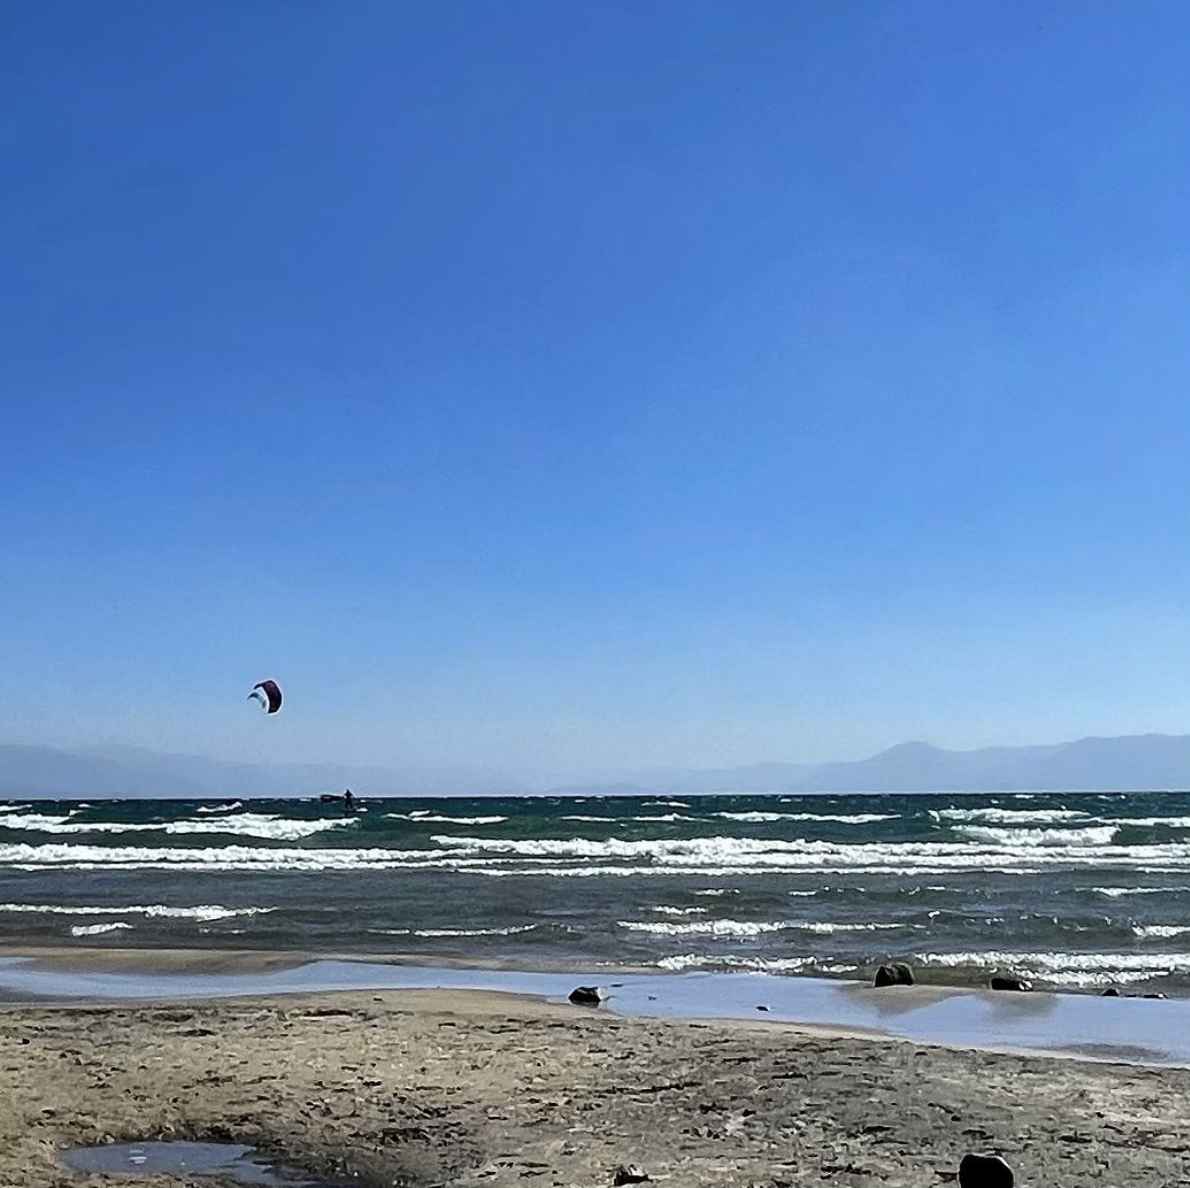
(1135, 1031)
(472, 1089)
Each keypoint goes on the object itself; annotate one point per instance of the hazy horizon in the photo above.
(594, 388)
(1144, 761)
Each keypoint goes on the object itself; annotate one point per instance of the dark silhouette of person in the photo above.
(349, 801)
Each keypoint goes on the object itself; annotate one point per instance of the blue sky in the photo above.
(579, 388)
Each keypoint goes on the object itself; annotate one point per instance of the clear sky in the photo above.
(583, 387)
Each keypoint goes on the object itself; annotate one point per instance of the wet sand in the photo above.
(469, 1089)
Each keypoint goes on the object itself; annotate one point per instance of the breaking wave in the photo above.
(264, 826)
(205, 912)
(833, 818)
(999, 816)
(96, 929)
(752, 927)
(437, 819)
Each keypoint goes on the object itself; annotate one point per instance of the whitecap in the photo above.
(999, 816)
(428, 817)
(205, 911)
(750, 927)
(1068, 969)
(832, 818)
(436, 933)
(95, 929)
(1095, 835)
(261, 825)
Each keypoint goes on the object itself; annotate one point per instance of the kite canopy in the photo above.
(268, 693)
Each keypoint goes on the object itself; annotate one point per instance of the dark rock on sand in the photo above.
(1111, 992)
(985, 1171)
(586, 996)
(1001, 982)
(896, 974)
(1155, 995)
(629, 1175)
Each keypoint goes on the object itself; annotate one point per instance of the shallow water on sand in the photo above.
(1074, 890)
(230, 1160)
(1127, 1030)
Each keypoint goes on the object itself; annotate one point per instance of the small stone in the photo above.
(762, 1008)
(586, 996)
(895, 974)
(1111, 992)
(629, 1175)
(985, 1171)
(1155, 994)
(1002, 982)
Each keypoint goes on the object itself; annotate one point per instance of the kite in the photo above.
(268, 693)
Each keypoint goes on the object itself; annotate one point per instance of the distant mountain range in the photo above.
(1144, 761)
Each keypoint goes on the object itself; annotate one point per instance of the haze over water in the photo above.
(1075, 890)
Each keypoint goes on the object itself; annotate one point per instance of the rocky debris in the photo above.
(630, 1174)
(1111, 992)
(1009, 982)
(895, 974)
(985, 1171)
(586, 996)
(1155, 994)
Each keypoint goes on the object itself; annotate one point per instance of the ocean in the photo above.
(1076, 891)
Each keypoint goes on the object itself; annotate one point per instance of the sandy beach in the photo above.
(470, 1089)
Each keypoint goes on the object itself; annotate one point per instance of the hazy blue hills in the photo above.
(1147, 761)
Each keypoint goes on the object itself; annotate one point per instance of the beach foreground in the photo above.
(459, 1088)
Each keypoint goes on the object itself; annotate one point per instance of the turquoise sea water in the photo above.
(1074, 890)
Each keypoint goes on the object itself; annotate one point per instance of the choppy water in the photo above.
(1077, 890)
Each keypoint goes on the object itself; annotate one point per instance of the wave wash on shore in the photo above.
(1075, 890)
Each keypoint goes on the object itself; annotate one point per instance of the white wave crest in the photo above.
(1160, 931)
(205, 911)
(704, 927)
(261, 825)
(96, 929)
(1068, 969)
(1120, 892)
(834, 818)
(710, 858)
(785, 965)
(751, 927)
(665, 910)
(426, 816)
(513, 930)
(221, 808)
(1095, 835)
(999, 816)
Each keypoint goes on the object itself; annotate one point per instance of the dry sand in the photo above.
(469, 1089)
